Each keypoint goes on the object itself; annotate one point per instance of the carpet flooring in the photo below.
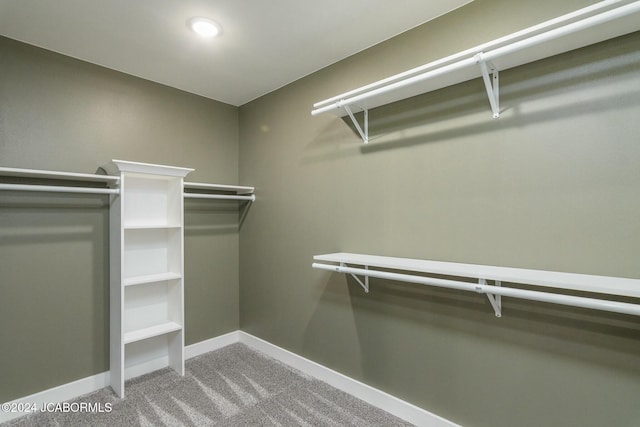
(233, 386)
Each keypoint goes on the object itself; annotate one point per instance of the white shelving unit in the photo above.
(601, 21)
(379, 266)
(146, 255)
(147, 267)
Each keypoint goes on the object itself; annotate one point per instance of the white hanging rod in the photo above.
(460, 67)
(58, 189)
(220, 187)
(510, 38)
(568, 29)
(251, 197)
(69, 176)
(617, 286)
(491, 290)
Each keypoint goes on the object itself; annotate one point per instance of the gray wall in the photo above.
(58, 113)
(551, 185)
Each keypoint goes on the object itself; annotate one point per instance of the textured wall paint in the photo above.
(551, 185)
(58, 113)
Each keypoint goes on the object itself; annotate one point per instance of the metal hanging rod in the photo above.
(68, 176)
(57, 175)
(58, 189)
(619, 286)
(242, 192)
(481, 60)
(251, 197)
(220, 187)
(510, 38)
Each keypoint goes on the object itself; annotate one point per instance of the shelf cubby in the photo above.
(152, 251)
(151, 201)
(152, 309)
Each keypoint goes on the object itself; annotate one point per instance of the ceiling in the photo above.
(264, 45)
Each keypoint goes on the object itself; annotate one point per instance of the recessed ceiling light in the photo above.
(205, 27)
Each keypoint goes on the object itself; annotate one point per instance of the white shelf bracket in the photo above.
(491, 79)
(364, 134)
(495, 300)
(365, 284)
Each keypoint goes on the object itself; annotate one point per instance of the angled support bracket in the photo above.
(491, 79)
(364, 134)
(365, 284)
(494, 300)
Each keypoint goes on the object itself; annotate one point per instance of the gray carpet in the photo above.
(233, 386)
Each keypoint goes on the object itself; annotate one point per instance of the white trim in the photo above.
(116, 167)
(373, 396)
(212, 344)
(59, 394)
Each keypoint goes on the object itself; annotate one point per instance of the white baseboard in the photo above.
(373, 396)
(212, 344)
(58, 394)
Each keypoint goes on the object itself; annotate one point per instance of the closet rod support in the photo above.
(491, 79)
(363, 134)
(364, 285)
(494, 299)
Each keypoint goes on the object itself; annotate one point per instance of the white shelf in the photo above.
(151, 278)
(578, 282)
(150, 332)
(152, 227)
(213, 191)
(111, 181)
(67, 176)
(593, 24)
(378, 266)
(238, 189)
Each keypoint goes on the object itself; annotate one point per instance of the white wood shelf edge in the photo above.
(116, 167)
(570, 281)
(150, 278)
(150, 332)
(67, 176)
(238, 189)
(599, 22)
(151, 226)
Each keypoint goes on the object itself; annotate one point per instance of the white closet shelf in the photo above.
(238, 189)
(110, 181)
(213, 191)
(150, 332)
(150, 226)
(150, 278)
(616, 286)
(68, 176)
(599, 22)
